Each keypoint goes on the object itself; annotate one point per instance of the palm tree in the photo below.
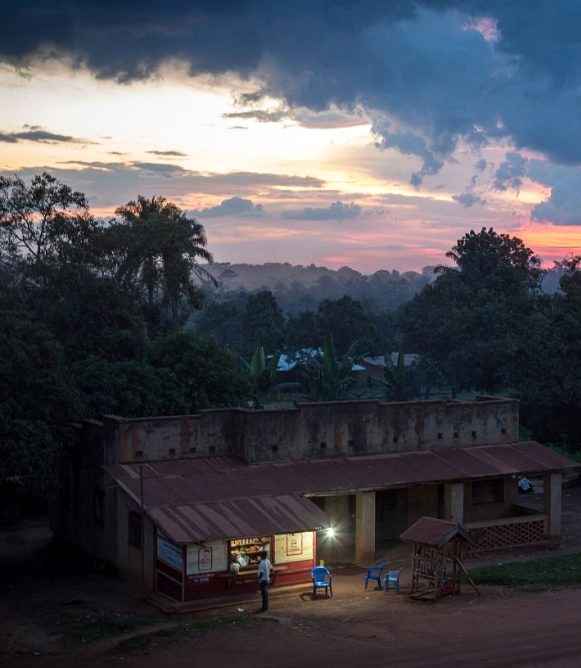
(160, 248)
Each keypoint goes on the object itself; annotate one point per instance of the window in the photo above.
(487, 491)
(134, 529)
(246, 551)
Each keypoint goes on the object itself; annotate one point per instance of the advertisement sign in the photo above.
(170, 554)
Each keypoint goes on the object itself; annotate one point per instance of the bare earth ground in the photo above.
(57, 610)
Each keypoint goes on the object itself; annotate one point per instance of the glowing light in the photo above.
(331, 532)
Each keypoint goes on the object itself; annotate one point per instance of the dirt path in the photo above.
(58, 610)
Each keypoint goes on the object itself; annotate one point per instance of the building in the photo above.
(187, 502)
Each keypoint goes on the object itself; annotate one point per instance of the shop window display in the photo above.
(246, 551)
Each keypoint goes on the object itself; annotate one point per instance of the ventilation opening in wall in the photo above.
(323, 446)
(473, 434)
(172, 452)
(275, 449)
(212, 450)
(139, 454)
(395, 439)
(440, 436)
(350, 443)
(503, 431)
(455, 434)
(192, 450)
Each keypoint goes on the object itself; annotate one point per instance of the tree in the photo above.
(263, 321)
(222, 320)
(498, 260)
(44, 221)
(195, 373)
(471, 322)
(158, 247)
(302, 331)
(549, 385)
(346, 320)
(37, 398)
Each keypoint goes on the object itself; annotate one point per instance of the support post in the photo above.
(365, 528)
(454, 502)
(553, 502)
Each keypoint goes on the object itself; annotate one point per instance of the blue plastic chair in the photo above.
(374, 573)
(322, 579)
(393, 576)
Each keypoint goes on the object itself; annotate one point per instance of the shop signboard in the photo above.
(170, 554)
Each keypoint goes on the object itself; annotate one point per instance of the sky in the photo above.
(372, 134)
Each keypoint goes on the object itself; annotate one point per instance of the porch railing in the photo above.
(530, 529)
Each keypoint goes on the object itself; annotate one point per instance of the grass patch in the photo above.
(91, 628)
(534, 575)
(144, 642)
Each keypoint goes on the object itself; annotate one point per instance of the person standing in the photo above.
(264, 569)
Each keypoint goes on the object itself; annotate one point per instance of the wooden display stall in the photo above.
(437, 557)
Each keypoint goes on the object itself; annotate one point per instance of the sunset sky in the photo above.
(370, 134)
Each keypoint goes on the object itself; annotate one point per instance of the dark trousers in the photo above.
(264, 594)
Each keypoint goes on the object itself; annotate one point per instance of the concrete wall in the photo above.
(312, 430)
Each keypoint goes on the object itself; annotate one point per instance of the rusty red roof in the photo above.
(434, 532)
(206, 486)
(240, 517)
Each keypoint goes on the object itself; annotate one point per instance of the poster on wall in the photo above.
(211, 557)
(293, 547)
(204, 559)
(294, 544)
(170, 554)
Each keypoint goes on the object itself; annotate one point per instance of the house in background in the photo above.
(187, 502)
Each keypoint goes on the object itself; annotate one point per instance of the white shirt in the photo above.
(264, 568)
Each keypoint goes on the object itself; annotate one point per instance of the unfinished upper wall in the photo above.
(312, 430)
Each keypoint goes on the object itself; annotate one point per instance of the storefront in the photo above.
(212, 568)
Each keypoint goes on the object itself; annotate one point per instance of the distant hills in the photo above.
(300, 288)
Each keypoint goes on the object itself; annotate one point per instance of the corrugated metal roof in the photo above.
(242, 517)
(207, 486)
(434, 532)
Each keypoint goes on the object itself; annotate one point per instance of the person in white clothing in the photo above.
(264, 569)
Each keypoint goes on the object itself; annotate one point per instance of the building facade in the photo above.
(186, 503)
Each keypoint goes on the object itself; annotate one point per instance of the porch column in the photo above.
(454, 502)
(365, 528)
(552, 503)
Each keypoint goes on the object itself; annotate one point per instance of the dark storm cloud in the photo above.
(234, 206)
(450, 69)
(510, 173)
(336, 211)
(34, 133)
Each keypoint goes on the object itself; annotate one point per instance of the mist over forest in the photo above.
(130, 316)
